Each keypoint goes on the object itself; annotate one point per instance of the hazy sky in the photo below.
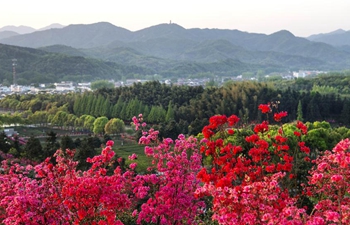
(301, 17)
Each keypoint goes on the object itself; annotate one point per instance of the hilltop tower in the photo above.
(14, 64)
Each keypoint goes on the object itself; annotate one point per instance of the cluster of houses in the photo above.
(63, 87)
(66, 86)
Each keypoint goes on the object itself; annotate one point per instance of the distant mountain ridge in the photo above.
(77, 36)
(321, 35)
(26, 29)
(52, 26)
(18, 29)
(7, 34)
(166, 46)
(336, 38)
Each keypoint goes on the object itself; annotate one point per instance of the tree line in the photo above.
(188, 107)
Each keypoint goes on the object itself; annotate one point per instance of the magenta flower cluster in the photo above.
(244, 190)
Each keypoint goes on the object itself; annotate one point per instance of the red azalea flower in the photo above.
(302, 127)
(217, 120)
(230, 131)
(207, 132)
(296, 133)
(265, 108)
(279, 116)
(252, 138)
(232, 120)
(263, 127)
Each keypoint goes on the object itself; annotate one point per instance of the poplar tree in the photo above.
(300, 112)
(105, 109)
(170, 115)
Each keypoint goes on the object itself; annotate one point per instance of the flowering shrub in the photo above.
(329, 185)
(251, 185)
(171, 197)
(254, 180)
(58, 194)
(61, 194)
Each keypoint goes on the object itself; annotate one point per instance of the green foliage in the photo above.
(300, 112)
(5, 145)
(325, 84)
(170, 114)
(156, 115)
(60, 118)
(33, 149)
(37, 66)
(324, 89)
(85, 150)
(189, 106)
(67, 143)
(321, 137)
(169, 129)
(99, 124)
(345, 113)
(13, 151)
(51, 144)
(114, 126)
(99, 84)
(88, 122)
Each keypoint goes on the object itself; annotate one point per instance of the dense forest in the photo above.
(188, 108)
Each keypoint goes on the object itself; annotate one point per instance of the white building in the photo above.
(64, 86)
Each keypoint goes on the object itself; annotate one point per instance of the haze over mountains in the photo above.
(25, 29)
(171, 50)
(336, 38)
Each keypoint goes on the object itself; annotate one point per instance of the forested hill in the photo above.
(59, 63)
(171, 41)
(37, 66)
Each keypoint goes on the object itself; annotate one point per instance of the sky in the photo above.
(301, 17)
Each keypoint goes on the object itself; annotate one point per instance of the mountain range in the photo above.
(171, 50)
(25, 29)
(336, 38)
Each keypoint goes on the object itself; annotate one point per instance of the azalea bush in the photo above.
(105, 194)
(170, 196)
(262, 182)
(260, 175)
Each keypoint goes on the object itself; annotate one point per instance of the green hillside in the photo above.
(37, 66)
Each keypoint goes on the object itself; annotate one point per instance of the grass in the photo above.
(128, 149)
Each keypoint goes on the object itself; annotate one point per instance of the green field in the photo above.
(122, 148)
(128, 149)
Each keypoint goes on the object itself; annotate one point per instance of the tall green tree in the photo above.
(60, 118)
(4, 143)
(51, 144)
(98, 104)
(300, 112)
(85, 150)
(170, 115)
(106, 108)
(33, 149)
(156, 115)
(67, 143)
